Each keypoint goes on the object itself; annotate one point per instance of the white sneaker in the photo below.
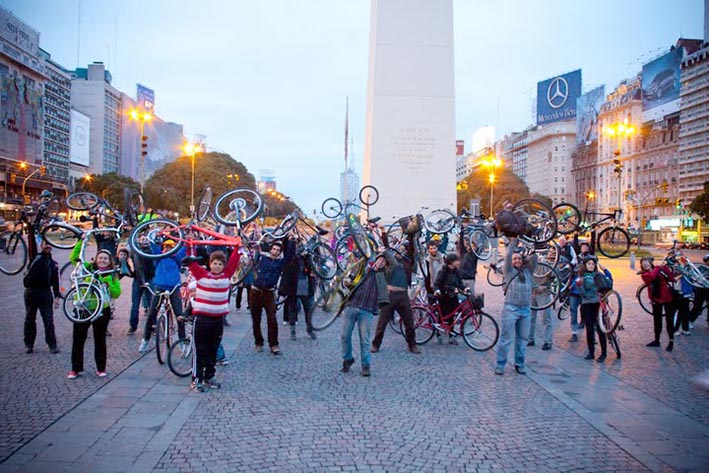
(143, 346)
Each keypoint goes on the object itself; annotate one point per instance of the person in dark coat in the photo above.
(41, 281)
(298, 287)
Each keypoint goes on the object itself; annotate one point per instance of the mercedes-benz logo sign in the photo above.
(558, 92)
(80, 134)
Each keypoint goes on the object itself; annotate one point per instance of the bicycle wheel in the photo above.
(368, 195)
(611, 312)
(147, 238)
(395, 323)
(564, 310)
(480, 331)
(331, 208)
(246, 264)
(61, 235)
(65, 281)
(539, 218)
(642, 294)
(395, 236)
(326, 308)
(83, 303)
(284, 227)
(239, 206)
(613, 242)
(568, 218)
(322, 260)
(13, 253)
(546, 288)
(179, 357)
(548, 253)
(51, 209)
(481, 244)
(423, 324)
(133, 203)
(343, 255)
(495, 276)
(439, 221)
(615, 343)
(359, 236)
(162, 339)
(82, 201)
(204, 204)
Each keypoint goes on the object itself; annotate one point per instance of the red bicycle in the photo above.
(479, 330)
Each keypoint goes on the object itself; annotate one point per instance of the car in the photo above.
(663, 82)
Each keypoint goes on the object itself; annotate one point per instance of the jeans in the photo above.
(364, 324)
(138, 294)
(548, 323)
(515, 319)
(574, 303)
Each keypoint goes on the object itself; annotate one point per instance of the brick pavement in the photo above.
(441, 411)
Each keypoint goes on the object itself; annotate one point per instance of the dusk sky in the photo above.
(266, 80)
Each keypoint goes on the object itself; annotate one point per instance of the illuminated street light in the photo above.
(491, 162)
(619, 131)
(191, 150)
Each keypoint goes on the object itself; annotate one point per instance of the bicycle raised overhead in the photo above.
(612, 241)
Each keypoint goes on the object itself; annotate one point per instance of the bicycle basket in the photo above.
(478, 301)
(412, 224)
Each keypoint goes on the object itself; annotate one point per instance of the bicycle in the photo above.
(330, 303)
(479, 330)
(180, 357)
(164, 323)
(613, 241)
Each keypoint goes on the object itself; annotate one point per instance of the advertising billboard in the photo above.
(459, 147)
(556, 97)
(79, 138)
(660, 85)
(587, 108)
(145, 98)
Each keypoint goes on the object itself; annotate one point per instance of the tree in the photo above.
(508, 187)
(700, 204)
(169, 188)
(109, 186)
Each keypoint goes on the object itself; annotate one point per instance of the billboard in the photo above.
(79, 138)
(587, 108)
(145, 98)
(660, 85)
(18, 33)
(459, 147)
(556, 97)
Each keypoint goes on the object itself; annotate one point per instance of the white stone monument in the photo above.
(409, 151)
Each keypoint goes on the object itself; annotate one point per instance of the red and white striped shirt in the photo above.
(212, 297)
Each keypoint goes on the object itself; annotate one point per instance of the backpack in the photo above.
(603, 283)
(510, 224)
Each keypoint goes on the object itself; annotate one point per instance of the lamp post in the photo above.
(191, 150)
(491, 162)
(619, 131)
(141, 117)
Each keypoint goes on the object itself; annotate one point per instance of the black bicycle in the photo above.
(612, 241)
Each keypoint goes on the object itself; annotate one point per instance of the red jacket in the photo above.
(659, 275)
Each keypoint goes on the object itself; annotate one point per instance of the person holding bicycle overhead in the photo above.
(590, 282)
(103, 262)
(448, 285)
(658, 280)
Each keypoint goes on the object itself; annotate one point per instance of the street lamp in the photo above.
(191, 150)
(491, 162)
(619, 131)
(141, 117)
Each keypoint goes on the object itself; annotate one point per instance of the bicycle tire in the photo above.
(83, 303)
(331, 208)
(495, 274)
(564, 310)
(359, 236)
(551, 288)
(368, 195)
(481, 244)
(246, 264)
(549, 254)
(609, 320)
(643, 297)
(284, 227)
(61, 235)
(162, 334)
(327, 308)
(440, 221)
(323, 261)
(568, 218)
(423, 321)
(179, 357)
(395, 323)
(238, 207)
(614, 341)
(133, 202)
(613, 242)
(51, 209)
(82, 201)
(65, 281)
(480, 331)
(13, 253)
(204, 204)
(395, 236)
(156, 231)
(539, 218)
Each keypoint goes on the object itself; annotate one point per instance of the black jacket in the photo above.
(43, 275)
(468, 261)
(448, 281)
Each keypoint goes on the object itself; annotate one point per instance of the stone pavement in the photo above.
(443, 410)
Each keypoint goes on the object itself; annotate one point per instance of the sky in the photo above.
(266, 80)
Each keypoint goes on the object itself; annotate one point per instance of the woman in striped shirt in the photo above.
(210, 305)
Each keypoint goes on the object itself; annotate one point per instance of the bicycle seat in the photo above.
(322, 231)
(373, 219)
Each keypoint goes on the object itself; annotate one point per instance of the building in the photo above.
(548, 157)
(93, 95)
(694, 124)
(584, 160)
(267, 180)
(514, 152)
(57, 120)
(349, 186)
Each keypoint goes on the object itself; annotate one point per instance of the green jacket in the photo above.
(111, 280)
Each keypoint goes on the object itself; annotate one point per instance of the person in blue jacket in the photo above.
(167, 276)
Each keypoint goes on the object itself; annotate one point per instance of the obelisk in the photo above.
(409, 151)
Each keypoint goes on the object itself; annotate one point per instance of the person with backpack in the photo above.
(658, 280)
(591, 283)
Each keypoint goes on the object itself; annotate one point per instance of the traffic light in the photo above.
(143, 146)
(678, 203)
(42, 170)
(664, 187)
(618, 166)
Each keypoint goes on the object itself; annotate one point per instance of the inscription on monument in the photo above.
(414, 147)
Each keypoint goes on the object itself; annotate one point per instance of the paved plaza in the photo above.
(443, 410)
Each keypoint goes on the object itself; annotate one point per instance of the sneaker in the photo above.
(275, 350)
(670, 346)
(197, 386)
(29, 349)
(226, 323)
(499, 371)
(601, 358)
(686, 333)
(143, 348)
(654, 343)
(374, 349)
(101, 374)
(311, 334)
(222, 362)
(131, 331)
(691, 325)
(285, 322)
(212, 383)
(72, 375)
(346, 365)
(414, 349)
(520, 369)
(366, 372)
(258, 348)
(546, 346)
(574, 338)
(530, 343)
(53, 350)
